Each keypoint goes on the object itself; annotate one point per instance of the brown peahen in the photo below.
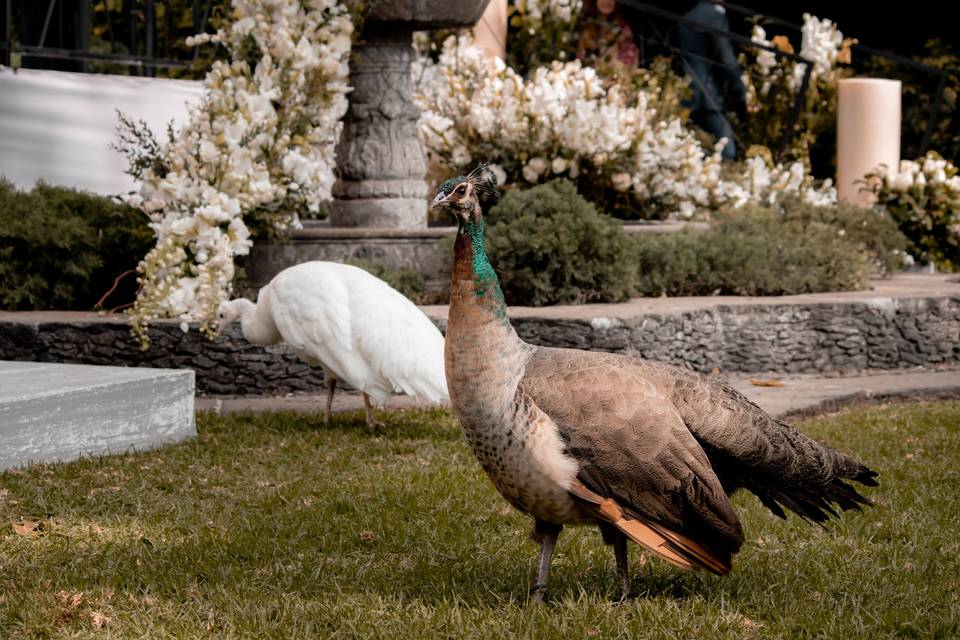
(648, 452)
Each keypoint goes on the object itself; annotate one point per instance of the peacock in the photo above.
(353, 324)
(648, 452)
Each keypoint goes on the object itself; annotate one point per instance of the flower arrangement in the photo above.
(255, 152)
(773, 83)
(564, 120)
(923, 196)
(560, 122)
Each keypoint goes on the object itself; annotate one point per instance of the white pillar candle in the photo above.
(868, 133)
(490, 33)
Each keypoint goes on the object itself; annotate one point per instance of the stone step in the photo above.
(57, 412)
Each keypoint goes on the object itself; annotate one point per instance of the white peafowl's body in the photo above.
(351, 323)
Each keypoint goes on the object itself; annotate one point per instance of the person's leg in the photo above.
(715, 123)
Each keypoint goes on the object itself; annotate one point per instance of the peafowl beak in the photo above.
(441, 196)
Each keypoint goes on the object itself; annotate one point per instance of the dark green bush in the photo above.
(551, 246)
(409, 282)
(795, 248)
(870, 230)
(63, 249)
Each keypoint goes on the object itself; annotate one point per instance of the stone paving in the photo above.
(799, 395)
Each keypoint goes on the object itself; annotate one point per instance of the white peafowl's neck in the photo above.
(256, 322)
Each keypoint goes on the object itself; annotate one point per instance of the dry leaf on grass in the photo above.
(30, 528)
(98, 620)
(766, 383)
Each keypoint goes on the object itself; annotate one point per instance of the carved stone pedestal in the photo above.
(380, 210)
(380, 159)
(417, 249)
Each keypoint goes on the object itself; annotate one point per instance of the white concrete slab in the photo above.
(59, 412)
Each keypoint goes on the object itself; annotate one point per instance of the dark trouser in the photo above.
(716, 123)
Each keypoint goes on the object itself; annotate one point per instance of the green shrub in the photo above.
(63, 249)
(763, 251)
(409, 282)
(869, 230)
(551, 246)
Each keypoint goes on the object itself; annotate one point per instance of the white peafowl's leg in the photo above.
(372, 422)
(331, 384)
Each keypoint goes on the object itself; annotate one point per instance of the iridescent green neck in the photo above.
(485, 277)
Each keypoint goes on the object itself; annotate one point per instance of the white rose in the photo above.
(460, 156)
(533, 169)
(621, 181)
(209, 152)
(500, 174)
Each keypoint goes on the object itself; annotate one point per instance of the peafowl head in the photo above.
(232, 310)
(468, 197)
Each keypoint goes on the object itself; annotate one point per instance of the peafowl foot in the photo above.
(372, 423)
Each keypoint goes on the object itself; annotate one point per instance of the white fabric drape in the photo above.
(58, 126)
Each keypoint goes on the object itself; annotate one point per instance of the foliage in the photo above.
(946, 134)
(258, 150)
(175, 21)
(550, 246)
(773, 83)
(924, 198)
(869, 231)
(271, 526)
(409, 282)
(919, 92)
(540, 31)
(63, 249)
(754, 251)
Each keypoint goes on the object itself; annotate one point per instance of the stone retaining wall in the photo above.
(797, 338)
(882, 333)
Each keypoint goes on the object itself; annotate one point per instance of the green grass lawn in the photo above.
(274, 527)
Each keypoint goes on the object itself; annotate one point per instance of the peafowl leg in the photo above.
(623, 565)
(331, 384)
(546, 534)
(372, 422)
(616, 538)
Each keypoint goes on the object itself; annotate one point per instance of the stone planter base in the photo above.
(418, 249)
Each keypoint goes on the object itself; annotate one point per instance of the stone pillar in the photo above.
(868, 133)
(380, 161)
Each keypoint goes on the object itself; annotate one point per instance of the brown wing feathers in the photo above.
(661, 448)
(779, 464)
(669, 545)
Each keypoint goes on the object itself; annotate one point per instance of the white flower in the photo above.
(236, 155)
(533, 169)
(208, 151)
(621, 181)
(461, 156)
(564, 112)
(498, 173)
